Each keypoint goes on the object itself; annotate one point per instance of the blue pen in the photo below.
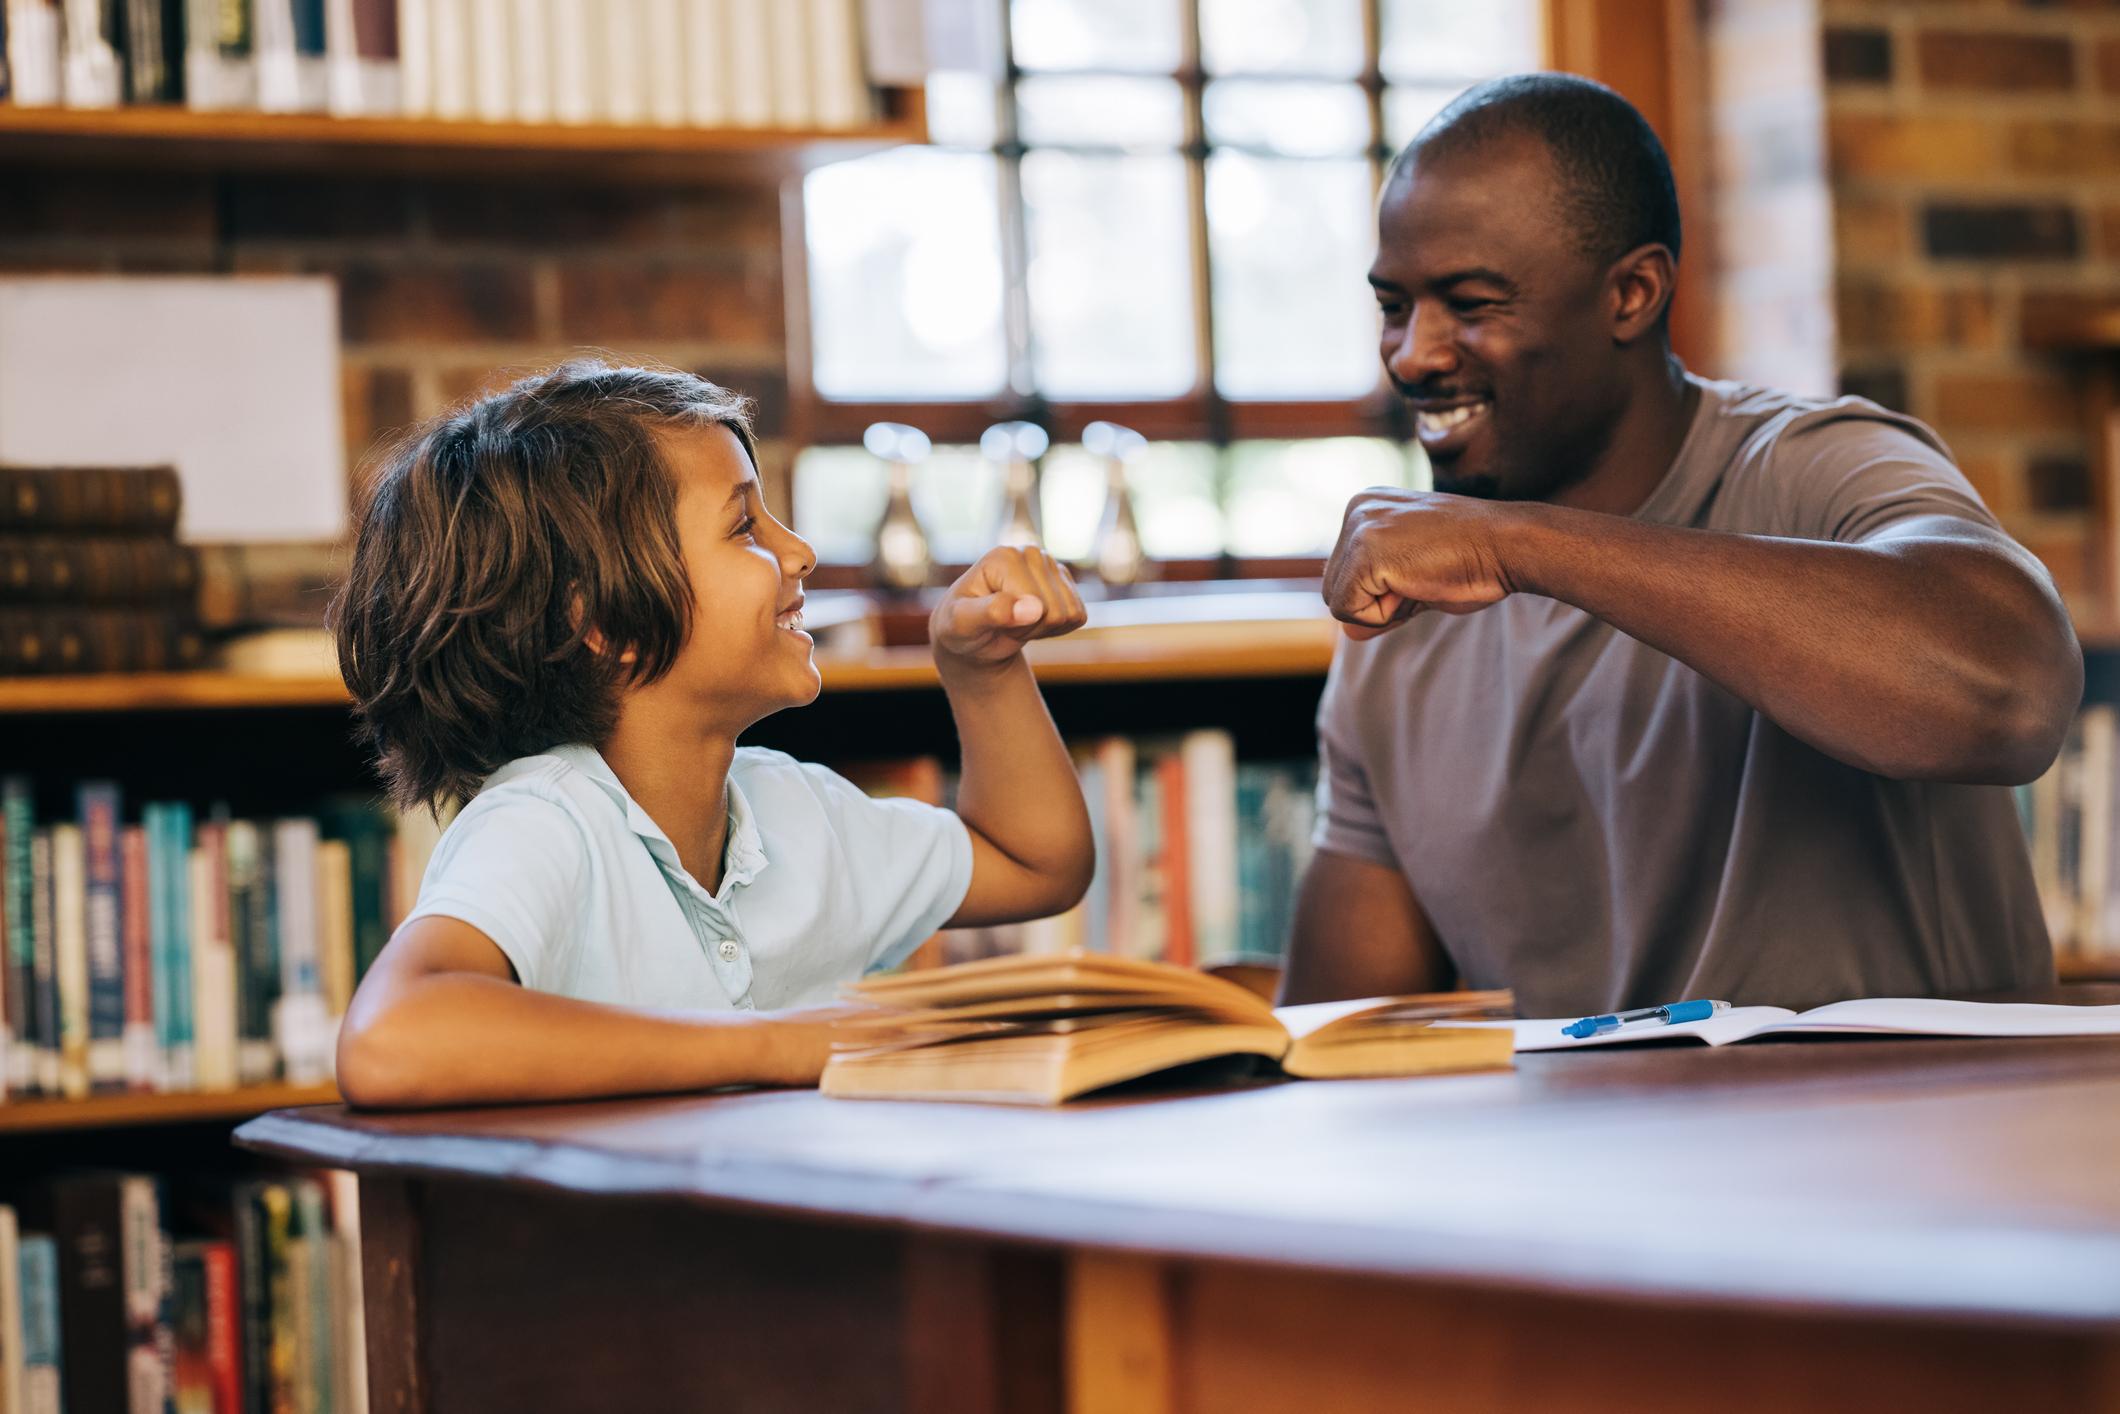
(1648, 1016)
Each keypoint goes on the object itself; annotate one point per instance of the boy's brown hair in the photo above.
(492, 542)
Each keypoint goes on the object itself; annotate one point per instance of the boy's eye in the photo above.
(746, 525)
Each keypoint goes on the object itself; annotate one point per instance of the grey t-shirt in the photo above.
(1592, 823)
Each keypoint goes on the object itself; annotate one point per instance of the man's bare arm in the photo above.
(1359, 933)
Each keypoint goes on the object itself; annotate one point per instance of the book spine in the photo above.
(18, 814)
(175, 900)
(191, 1374)
(11, 1326)
(706, 24)
(143, 1051)
(302, 1025)
(415, 38)
(94, 73)
(70, 949)
(279, 82)
(316, 1370)
(351, 1330)
(788, 61)
(839, 88)
(280, 1362)
(147, 74)
(492, 86)
(68, 640)
(224, 1328)
(34, 40)
(11, 996)
(577, 40)
(335, 924)
(750, 72)
(99, 811)
(625, 61)
(1175, 861)
(80, 570)
(213, 967)
(41, 1374)
(663, 24)
(45, 963)
(253, 1289)
(530, 34)
(451, 51)
(89, 1222)
(1210, 774)
(145, 1274)
(158, 923)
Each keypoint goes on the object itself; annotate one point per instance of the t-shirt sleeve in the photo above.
(909, 864)
(1846, 476)
(1348, 822)
(514, 867)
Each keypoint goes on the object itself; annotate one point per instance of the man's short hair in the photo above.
(1616, 189)
(493, 541)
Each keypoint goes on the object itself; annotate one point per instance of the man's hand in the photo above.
(1010, 597)
(1404, 551)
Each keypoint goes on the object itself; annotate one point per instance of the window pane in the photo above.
(1101, 112)
(1449, 39)
(961, 110)
(1301, 119)
(1137, 36)
(905, 276)
(958, 498)
(1071, 498)
(1407, 109)
(1322, 37)
(839, 496)
(1287, 498)
(1110, 285)
(1175, 500)
(1291, 244)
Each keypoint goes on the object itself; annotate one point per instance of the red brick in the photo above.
(2063, 543)
(145, 206)
(1995, 62)
(1869, 228)
(2109, 233)
(2029, 402)
(1997, 479)
(1887, 145)
(1877, 314)
(274, 208)
(568, 217)
(434, 305)
(2108, 65)
(378, 404)
(653, 301)
(2064, 149)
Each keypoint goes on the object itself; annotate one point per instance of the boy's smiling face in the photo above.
(747, 656)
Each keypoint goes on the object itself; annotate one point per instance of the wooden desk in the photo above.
(1863, 1224)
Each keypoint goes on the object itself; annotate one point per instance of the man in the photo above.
(1672, 688)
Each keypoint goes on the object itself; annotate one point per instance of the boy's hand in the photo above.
(1010, 597)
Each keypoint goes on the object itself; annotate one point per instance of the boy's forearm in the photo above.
(461, 1039)
(1018, 788)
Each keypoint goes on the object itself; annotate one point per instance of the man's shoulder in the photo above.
(1758, 424)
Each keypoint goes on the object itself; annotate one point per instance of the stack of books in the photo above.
(92, 579)
(126, 1293)
(188, 950)
(666, 63)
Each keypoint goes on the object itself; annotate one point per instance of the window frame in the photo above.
(1648, 49)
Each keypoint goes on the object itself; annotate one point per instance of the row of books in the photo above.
(92, 576)
(2070, 819)
(669, 63)
(114, 1301)
(1199, 855)
(184, 953)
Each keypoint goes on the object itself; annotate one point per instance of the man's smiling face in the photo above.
(1495, 320)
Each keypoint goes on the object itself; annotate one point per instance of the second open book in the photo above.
(1043, 1029)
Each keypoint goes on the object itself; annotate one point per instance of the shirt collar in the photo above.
(744, 854)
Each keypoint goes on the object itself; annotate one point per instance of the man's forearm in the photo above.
(1918, 657)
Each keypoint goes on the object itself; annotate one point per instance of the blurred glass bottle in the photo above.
(1116, 556)
(1015, 448)
(903, 560)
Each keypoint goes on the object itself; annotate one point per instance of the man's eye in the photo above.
(1465, 304)
(1391, 309)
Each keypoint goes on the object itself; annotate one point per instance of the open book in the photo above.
(1043, 1029)
(1902, 1016)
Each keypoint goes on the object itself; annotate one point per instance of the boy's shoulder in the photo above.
(764, 773)
(546, 783)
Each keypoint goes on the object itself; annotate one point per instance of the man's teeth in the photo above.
(793, 620)
(1449, 417)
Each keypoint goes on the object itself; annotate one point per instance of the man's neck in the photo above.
(677, 770)
(1644, 442)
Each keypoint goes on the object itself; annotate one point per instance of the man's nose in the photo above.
(1425, 347)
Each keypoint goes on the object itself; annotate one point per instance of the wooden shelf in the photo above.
(2074, 968)
(2086, 326)
(315, 142)
(127, 1111)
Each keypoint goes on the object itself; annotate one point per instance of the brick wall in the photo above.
(1973, 148)
(443, 282)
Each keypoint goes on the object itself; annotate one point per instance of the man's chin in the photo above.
(1469, 483)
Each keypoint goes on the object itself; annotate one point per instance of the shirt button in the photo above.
(728, 949)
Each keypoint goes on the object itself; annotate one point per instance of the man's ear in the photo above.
(1640, 287)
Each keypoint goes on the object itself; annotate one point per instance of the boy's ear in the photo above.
(593, 638)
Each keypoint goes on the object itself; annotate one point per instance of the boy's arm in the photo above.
(440, 1020)
(1032, 853)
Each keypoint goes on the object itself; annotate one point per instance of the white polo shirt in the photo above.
(565, 872)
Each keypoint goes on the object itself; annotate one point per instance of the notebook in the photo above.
(1876, 1016)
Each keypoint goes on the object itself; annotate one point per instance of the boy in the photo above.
(566, 602)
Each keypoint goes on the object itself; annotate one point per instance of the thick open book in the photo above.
(1901, 1016)
(1043, 1029)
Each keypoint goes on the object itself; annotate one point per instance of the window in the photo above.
(1161, 213)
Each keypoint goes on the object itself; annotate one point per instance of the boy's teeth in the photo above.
(793, 620)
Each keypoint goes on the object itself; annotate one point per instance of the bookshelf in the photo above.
(158, 138)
